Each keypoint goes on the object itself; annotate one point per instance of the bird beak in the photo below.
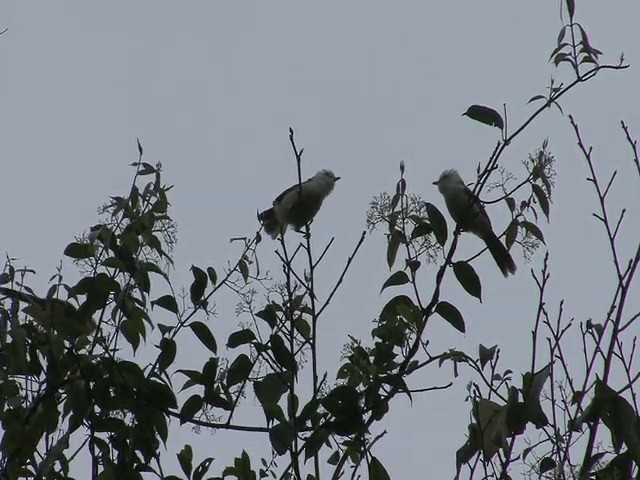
(337, 178)
(436, 182)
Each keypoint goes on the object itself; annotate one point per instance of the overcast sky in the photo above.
(211, 88)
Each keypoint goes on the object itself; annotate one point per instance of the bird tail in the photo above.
(270, 222)
(499, 253)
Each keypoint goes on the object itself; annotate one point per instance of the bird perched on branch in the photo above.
(467, 211)
(298, 204)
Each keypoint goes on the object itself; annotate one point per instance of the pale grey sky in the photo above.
(211, 88)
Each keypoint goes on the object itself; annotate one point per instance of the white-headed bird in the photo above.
(298, 204)
(469, 213)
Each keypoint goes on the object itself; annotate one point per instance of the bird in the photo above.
(470, 215)
(298, 204)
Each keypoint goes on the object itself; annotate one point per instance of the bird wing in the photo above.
(284, 193)
(476, 208)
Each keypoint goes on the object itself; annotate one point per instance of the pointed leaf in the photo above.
(192, 406)
(533, 229)
(199, 284)
(239, 370)
(168, 302)
(468, 278)
(395, 238)
(451, 314)
(204, 335)
(438, 223)
(377, 470)
(398, 278)
(543, 201)
(281, 437)
(240, 337)
(80, 250)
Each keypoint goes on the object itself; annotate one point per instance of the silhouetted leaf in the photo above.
(204, 335)
(192, 406)
(185, 458)
(511, 234)
(398, 278)
(377, 470)
(269, 315)
(282, 354)
(198, 286)
(531, 390)
(485, 115)
(213, 276)
(486, 354)
(451, 314)
(80, 250)
(168, 302)
(314, 443)
(239, 370)
(270, 389)
(167, 354)
(420, 230)
(240, 337)
(533, 229)
(202, 469)
(543, 201)
(438, 223)
(281, 436)
(546, 464)
(395, 239)
(537, 97)
(468, 278)
(511, 203)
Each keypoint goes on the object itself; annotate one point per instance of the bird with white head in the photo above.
(470, 215)
(298, 204)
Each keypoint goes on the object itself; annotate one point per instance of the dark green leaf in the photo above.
(314, 442)
(511, 234)
(533, 229)
(377, 470)
(543, 201)
(620, 467)
(511, 203)
(198, 286)
(438, 223)
(485, 115)
(486, 354)
(334, 458)
(269, 315)
(546, 464)
(270, 389)
(282, 354)
(192, 406)
(185, 458)
(204, 335)
(80, 250)
(468, 278)
(537, 97)
(531, 390)
(213, 276)
(244, 270)
(421, 230)
(281, 436)
(451, 314)
(398, 278)
(168, 302)
(202, 469)
(239, 370)
(395, 239)
(167, 354)
(240, 337)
